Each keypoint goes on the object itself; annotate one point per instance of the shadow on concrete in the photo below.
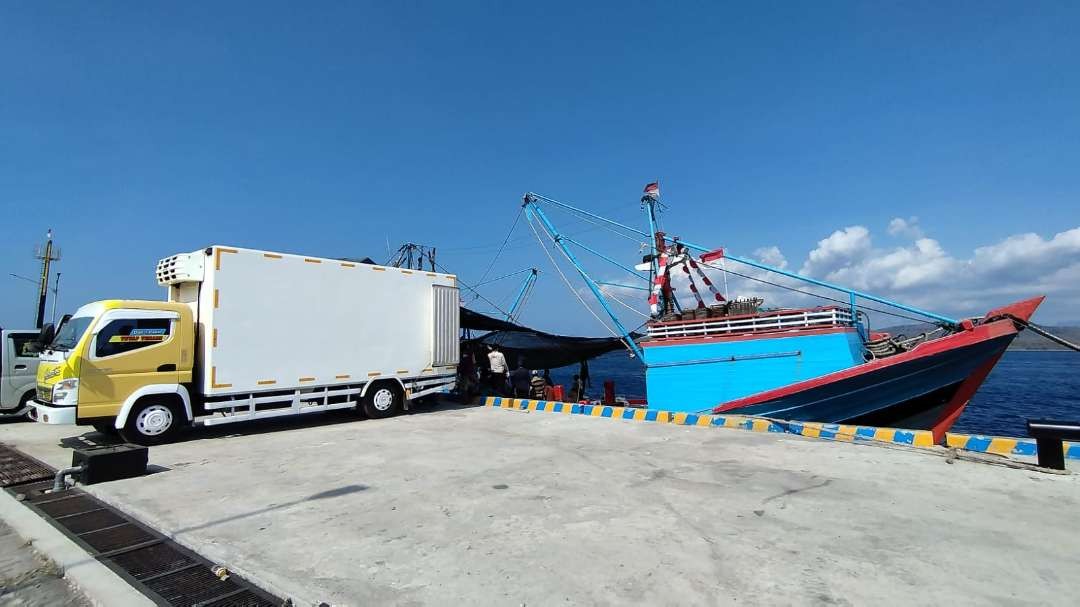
(322, 495)
(93, 438)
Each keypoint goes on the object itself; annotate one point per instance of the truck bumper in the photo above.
(48, 414)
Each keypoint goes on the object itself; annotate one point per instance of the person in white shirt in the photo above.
(497, 362)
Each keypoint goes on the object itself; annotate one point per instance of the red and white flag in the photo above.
(653, 190)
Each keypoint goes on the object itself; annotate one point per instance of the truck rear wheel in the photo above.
(383, 399)
(152, 422)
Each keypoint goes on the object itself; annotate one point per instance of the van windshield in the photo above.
(70, 332)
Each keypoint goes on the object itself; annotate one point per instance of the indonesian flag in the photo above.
(653, 190)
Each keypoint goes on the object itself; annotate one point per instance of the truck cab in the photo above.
(119, 365)
(18, 369)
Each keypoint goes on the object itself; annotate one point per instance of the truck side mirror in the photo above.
(45, 336)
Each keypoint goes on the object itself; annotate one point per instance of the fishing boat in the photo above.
(821, 364)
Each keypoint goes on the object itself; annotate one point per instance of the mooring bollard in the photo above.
(1049, 438)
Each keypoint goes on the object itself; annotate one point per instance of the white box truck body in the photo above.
(249, 334)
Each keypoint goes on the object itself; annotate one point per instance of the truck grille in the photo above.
(44, 394)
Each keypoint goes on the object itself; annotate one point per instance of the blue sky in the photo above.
(796, 133)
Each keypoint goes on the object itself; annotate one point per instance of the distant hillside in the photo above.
(1026, 341)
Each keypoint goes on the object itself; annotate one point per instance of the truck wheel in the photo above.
(152, 422)
(383, 400)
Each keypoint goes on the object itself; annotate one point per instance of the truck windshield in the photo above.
(70, 332)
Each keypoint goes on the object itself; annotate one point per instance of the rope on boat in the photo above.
(567, 281)
(501, 247)
(811, 293)
(1041, 331)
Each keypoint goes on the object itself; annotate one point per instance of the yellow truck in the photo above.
(248, 334)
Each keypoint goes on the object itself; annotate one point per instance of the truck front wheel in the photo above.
(152, 422)
(383, 399)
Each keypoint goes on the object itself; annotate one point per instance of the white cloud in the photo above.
(771, 256)
(842, 247)
(923, 273)
(905, 227)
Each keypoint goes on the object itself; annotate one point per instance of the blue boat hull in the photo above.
(702, 374)
(909, 395)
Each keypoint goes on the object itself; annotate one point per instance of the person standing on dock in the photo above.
(537, 386)
(497, 364)
(519, 380)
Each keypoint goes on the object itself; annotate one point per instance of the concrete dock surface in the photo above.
(483, 506)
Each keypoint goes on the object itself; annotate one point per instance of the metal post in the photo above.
(554, 233)
(606, 258)
(525, 286)
(46, 258)
(55, 297)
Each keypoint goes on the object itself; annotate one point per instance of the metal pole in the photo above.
(521, 294)
(43, 290)
(584, 212)
(554, 233)
(606, 258)
(55, 297)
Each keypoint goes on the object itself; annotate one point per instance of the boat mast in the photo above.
(661, 300)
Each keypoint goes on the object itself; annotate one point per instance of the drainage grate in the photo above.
(91, 521)
(189, 587)
(16, 468)
(152, 560)
(161, 569)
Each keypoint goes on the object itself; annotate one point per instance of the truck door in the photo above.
(19, 360)
(128, 350)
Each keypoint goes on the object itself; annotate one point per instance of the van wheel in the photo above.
(383, 399)
(152, 422)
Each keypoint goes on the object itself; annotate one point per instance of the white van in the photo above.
(18, 369)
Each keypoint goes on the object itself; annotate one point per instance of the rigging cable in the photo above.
(812, 294)
(1043, 332)
(567, 281)
(477, 293)
(502, 246)
(623, 304)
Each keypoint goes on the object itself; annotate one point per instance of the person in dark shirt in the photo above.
(519, 381)
(575, 389)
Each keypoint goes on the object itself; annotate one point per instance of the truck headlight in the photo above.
(66, 392)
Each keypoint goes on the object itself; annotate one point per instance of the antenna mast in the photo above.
(47, 255)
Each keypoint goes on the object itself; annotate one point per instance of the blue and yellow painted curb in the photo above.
(840, 432)
(1002, 445)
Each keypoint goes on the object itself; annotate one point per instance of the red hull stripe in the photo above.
(980, 333)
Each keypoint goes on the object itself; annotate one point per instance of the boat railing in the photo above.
(781, 320)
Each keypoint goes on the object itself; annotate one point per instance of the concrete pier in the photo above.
(488, 506)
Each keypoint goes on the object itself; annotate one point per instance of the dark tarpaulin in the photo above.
(535, 349)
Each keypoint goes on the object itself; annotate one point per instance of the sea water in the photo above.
(1023, 385)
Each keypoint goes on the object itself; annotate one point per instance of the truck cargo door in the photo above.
(447, 326)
